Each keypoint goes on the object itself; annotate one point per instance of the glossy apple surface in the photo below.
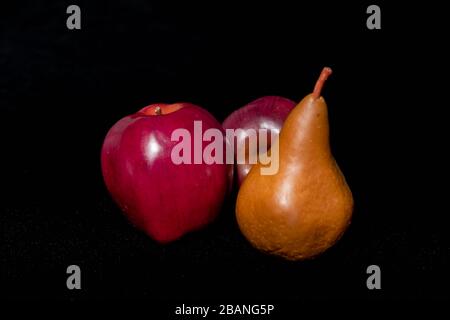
(268, 112)
(164, 199)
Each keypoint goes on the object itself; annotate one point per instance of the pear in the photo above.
(305, 207)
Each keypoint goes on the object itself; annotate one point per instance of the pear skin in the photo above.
(304, 208)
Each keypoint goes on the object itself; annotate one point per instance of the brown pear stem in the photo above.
(158, 111)
(326, 72)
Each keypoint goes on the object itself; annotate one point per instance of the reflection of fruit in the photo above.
(264, 113)
(305, 208)
(164, 199)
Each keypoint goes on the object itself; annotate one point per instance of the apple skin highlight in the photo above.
(163, 199)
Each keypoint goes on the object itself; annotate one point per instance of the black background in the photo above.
(62, 90)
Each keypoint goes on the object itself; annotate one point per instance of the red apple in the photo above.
(264, 113)
(164, 199)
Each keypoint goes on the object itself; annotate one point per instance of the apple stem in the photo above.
(158, 111)
(326, 72)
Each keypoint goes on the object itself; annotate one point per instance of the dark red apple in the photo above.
(264, 113)
(164, 199)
